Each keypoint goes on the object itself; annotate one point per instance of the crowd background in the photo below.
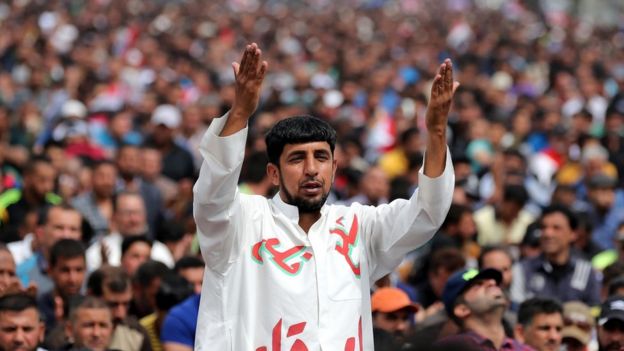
(103, 104)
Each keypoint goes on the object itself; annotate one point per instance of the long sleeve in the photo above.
(392, 230)
(215, 202)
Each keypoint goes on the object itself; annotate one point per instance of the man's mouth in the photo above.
(311, 188)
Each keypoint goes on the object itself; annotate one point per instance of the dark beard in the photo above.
(304, 206)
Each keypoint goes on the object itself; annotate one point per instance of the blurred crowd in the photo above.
(103, 104)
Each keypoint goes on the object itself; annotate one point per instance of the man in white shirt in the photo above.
(293, 272)
(129, 219)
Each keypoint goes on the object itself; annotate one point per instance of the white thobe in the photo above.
(269, 285)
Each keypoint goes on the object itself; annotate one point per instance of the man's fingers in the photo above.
(245, 58)
(235, 68)
(455, 86)
(262, 72)
(449, 75)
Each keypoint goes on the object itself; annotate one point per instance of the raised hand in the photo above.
(249, 75)
(442, 91)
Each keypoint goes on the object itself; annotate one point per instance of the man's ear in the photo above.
(273, 174)
(519, 333)
(461, 311)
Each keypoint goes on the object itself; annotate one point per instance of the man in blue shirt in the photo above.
(180, 324)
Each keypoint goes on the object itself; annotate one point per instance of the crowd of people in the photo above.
(103, 105)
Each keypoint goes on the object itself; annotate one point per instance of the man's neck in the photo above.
(490, 327)
(559, 258)
(306, 220)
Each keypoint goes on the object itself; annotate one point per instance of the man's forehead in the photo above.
(314, 146)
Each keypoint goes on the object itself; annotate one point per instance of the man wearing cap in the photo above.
(611, 324)
(557, 271)
(476, 302)
(177, 162)
(578, 326)
(392, 312)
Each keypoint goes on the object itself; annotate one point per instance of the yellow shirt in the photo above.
(149, 323)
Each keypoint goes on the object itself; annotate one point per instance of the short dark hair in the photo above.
(188, 262)
(83, 302)
(455, 213)
(66, 249)
(131, 240)
(173, 289)
(563, 210)
(494, 248)
(170, 231)
(254, 167)
(516, 194)
(537, 305)
(148, 271)
(43, 214)
(447, 258)
(114, 278)
(297, 130)
(17, 302)
(121, 194)
(35, 162)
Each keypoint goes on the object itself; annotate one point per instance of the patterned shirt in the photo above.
(269, 285)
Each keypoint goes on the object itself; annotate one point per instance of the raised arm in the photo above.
(216, 205)
(442, 91)
(249, 75)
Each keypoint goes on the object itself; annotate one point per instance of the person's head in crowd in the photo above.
(540, 322)
(459, 223)
(55, 223)
(191, 268)
(67, 267)
(128, 161)
(103, 179)
(166, 120)
(601, 192)
(151, 163)
(129, 214)
(515, 166)
(610, 276)
(174, 235)
(392, 311)
(616, 285)
(292, 140)
(39, 180)
(173, 290)
(558, 226)
(530, 246)
(374, 186)
(8, 276)
(564, 195)
(578, 326)
(134, 251)
(474, 299)
(444, 262)
(90, 324)
(499, 258)
(114, 286)
(514, 198)
(253, 173)
(145, 285)
(21, 328)
(595, 160)
(584, 227)
(611, 324)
